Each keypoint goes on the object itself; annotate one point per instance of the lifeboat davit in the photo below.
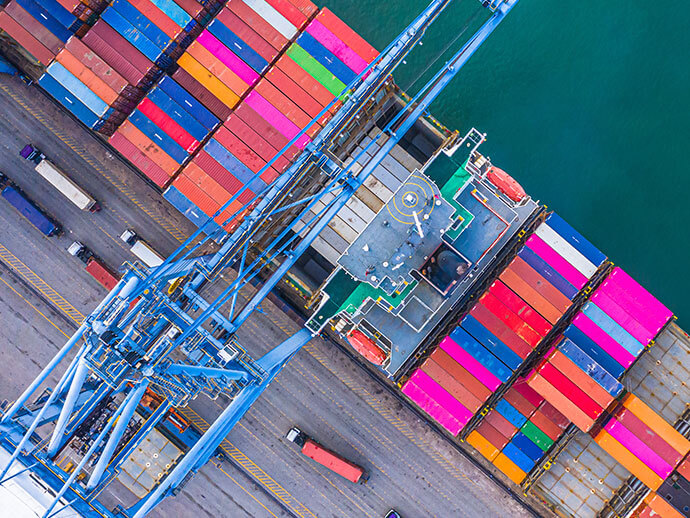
(506, 184)
(366, 347)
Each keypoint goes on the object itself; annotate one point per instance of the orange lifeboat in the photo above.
(366, 347)
(506, 184)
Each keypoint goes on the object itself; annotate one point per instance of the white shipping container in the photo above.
(147, 254)
(277, 20)
(566, 250)
(67, 187)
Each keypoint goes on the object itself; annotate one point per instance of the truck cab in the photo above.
(79, 251)
(32, 154)
(141, 249)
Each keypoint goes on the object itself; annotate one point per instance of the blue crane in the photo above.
(155, 330)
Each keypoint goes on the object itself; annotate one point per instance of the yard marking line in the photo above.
(72, 144)
(250, 466)
(243, 488)
(34, 307)
(29, 276)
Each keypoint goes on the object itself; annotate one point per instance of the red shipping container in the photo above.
(34, 27)
(553, 415)
(217, 172)
(561, 402)
(583, 380)
(257, 22)
(306, 7)
(289, 11)
(492, 435)
(520, 308)
(120, 45)
(571, 389)
(148, 147)
(454, 388)
(139, 159)
(168, 125)
(255, 142)
(347, 35)
(500, 423)
(201, 94)
(266, 130)
(652, 439)
(501, 330)
(192, 7)
(539, 283)
(527, 392)
(70, 5)
(158, 17)
(241, 151)
(308, 83)
(459, 373)
(520, 403)
(25, 39)
(247, 34)
(514, 322)
(551, 429)
(684, 468)
(282, 82)
(119, 63)
(217, 68)
(196, 195)
(206, 183)
(530, 295)
(94, 63)
(280, 101)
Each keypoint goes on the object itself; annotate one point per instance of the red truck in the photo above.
(326, 457)
(94, 266)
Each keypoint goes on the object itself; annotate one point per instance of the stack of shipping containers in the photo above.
(518, 432)
(656, 506)
(277, 101)
(508, 321)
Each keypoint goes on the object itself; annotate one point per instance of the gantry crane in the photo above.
(156, 331)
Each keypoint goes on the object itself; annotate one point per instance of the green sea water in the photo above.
(587, 105)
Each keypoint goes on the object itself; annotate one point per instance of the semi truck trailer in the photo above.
(27, 208)
(141, 249)
(326, 457)
(94, 266)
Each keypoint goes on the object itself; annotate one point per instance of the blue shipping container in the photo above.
(174, 12)
(131, 34)
(77, 88)
(46, 19)
(239, 47)
(30, 211)
(68, 100)
(511, 413)
(481, 354)
(591, 367)
(178, 114)
(572, 236)
(158, 136)
(58, 12)
(526, 446)
(233, 164)
(189, 210)
(547, 271)
(326, 58)
(613, 329)
(593, 350)
(488, 340)
(140, 22)
(521, 460)
(188, 102)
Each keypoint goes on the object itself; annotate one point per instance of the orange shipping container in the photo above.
(148, 147)
(213, 189)
(456, 389)
(208, 80)
(509, 468)
(217, 68)
(530, 295)
(628, 460)
(657, 423)
(582, 379)
(660, 506)
(541, 284)
(196, 195)
(560, 402)
(86, 76)
(482, 445)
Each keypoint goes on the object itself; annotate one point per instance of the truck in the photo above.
(326, 457)
(94, 266)
(141, 249)
(27, 208)
(59, 180)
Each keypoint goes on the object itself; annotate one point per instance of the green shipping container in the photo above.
(537, 436)
(315, 69)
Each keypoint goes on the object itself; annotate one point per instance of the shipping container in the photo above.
(314, 68)
(622, 317)
(561, 402)
(101, 273)
(594, 351)
(427, 403)
(537, 435)
(247, 34)
(441, 396)
(619, 353)
(252, 64)
(628, 459)
(46, 18)
(148, 147)
(500, 423)
(139, 159)
(279, 121)
(481, 354)
(65, 185)
(493, 344)
(189, 210)
(82, 92)
(166, 123)
(612, 328)
(646, 433)
(520, 308)
(512, 320)
(259, 24)
(188, 102)
(158, 136)
(492, 436)
(529, 294)
(572, 389)
(143, 23)
(557, 261)
(473, 366)
(509, 468)
(590, 367)
(582, 378)
(25, 39)
(575, 239)
(182, 117)
(454, 388)
(501, 330)
(526, 446)
(335, 45)
(217, 107)
(460, 374)
(482, 445)
(94, 83)
(68, 100)
(132, 34)
(34, 27)
(549, 273)
(518, 402)
(510, 413)
(273, 17)
(118, 52)
(30, 211)
(210, 81)
(517, 456)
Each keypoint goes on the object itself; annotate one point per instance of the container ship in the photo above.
(516, 337)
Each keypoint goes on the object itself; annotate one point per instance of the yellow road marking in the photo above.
(243, 489)
(34, 307)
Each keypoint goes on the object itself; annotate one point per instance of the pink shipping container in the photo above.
(441, 396)
(111, 56)
(228, 58)
(336, 46)
(607, 343)
(470, 364)
(277, 119)
(431, 407)
(638, 448)
(623, 318)
(141, 161)
(558, 262)
(98, 66)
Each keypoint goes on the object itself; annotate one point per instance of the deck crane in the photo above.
(151, 333)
